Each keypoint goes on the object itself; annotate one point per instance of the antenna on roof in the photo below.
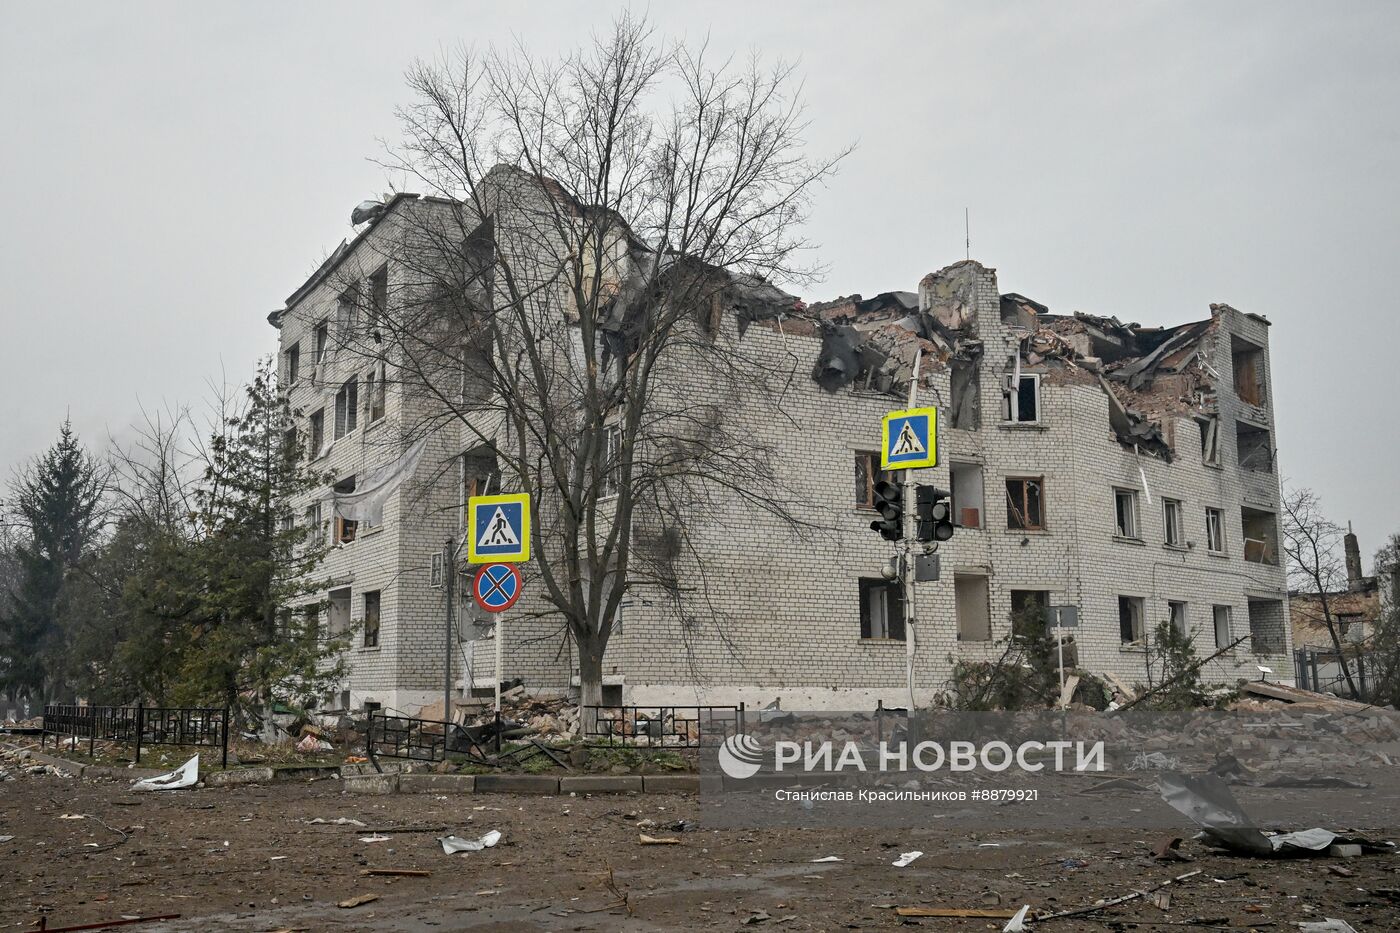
(967, 233)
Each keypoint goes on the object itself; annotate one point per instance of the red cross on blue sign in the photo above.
(496, 587)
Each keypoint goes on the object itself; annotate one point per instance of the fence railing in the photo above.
(430, 740)
(660, 726)
(205, 727)
(1320, 670)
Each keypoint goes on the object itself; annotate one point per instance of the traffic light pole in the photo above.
(906, 566)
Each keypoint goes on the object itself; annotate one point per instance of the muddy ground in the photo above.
(246, 858)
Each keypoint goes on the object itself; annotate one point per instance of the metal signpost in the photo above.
(1065, 617)
(498, 535)
(909, 442)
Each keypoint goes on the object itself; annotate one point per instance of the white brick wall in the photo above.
(777, 612)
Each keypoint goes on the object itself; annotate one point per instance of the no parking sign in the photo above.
(496, 587)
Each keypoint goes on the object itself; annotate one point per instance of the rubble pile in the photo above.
(531, 715)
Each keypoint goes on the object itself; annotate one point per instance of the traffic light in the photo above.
(889, 502)
(933, 512)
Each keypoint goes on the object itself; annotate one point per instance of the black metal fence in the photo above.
(140, 725)
(1320, 670)
(660, 726)
(429, 740)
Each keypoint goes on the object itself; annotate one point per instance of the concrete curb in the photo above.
(238, 776)
(601, 784)
(437, 783)
(80, 770)
(671, 783)
(517, 784)
(370, 783)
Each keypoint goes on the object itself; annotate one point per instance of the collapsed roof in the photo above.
(1149, 374)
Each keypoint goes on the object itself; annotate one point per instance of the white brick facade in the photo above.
(775, 614)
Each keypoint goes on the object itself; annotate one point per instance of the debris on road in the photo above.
(646, 840)
(377, 837)
(452, 844)
(341, 821)
(828, 858)
(357, 900)
(187, 775)
(397, 872)
(1207, 800)
(1017, 924)
(906, 858)
(964, 912)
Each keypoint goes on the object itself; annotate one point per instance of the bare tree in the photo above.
(572, 302)
(1312, 545)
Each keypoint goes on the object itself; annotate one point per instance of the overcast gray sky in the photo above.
(173, 171)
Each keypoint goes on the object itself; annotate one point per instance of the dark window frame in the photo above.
(894, 609)
(1019, 507)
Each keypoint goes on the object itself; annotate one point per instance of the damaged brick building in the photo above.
(1124, 470)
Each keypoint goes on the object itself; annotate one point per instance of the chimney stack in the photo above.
(1353, 551)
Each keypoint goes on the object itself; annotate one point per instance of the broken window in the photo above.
(374, 388)
(348, 312)
(1130, 619)
(1023, 401)
(323, 340)
(1222, 626)
(378, 299)
(311, 623)
(1176, 614)
(347, 407)
(1025, 505)
(612, 461)
(881, 609)
(344, 528)
(371, 639)
(1172, 535)
(966, 482)
(480, 477)
(291, 439)
(1215, 531)
(318, 432)
(338, 612)
(868, 473)
(315, 533)
(970, 593)
(1125, 513)
(1254, 447)
(1266, 634)
(1210, 441)
(292, 363)
(965, 393)
(1260, 530)
(1028, 611)
(1247, 360)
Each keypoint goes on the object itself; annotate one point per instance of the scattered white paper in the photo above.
(1017, 924)
(829, 858)
(377, 837)
(339, 821)
(452, 844)
(906, 858)
(187, 775)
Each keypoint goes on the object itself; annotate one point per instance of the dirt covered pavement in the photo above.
(248, 858)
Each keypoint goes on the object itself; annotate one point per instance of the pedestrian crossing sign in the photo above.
(910, 439)
(498, 529)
